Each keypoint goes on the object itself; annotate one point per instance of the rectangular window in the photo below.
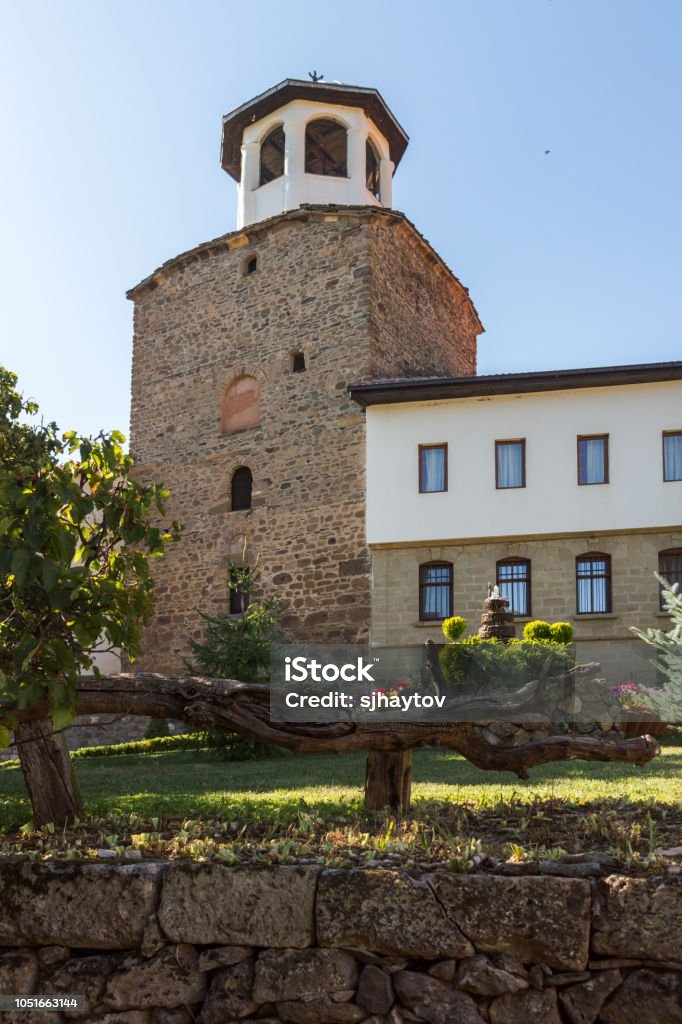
(672, 455)
(670, 568)
(593, 459)
(510, 463)
(435, 591)
(593, 584)
(513, 579)
(433, 468)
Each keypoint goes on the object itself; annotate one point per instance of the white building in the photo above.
(563, 487)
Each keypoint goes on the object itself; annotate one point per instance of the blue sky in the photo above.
(110, 142)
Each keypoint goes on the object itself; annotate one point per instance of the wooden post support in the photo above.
(48, 773)
(388, 780)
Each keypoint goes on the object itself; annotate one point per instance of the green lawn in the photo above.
(194, 784)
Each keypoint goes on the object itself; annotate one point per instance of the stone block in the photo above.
(582, 1003)
(641, 917)
(88, 906)
(169, 979)
(385, 912)
(375, 990)
(434, 1000)
(239, 906)
(529, 1007)
(287, 974)
(654, 996)
(538, 919)
(229, 995)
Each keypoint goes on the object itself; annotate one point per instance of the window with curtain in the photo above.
(510, 463)
(593, 583)
(672, 455)
(272, 156)
(433, 468)
(513, 579)
(435, 591)
(670, 568)
(593, 459)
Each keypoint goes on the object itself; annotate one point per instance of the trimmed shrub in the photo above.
(454, 627)
(479, 664)
(561, 632)
(537, 630)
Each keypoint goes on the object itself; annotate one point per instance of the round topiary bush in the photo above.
(537, 630)
(454, 627)
(561, 632)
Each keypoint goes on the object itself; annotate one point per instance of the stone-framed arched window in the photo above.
(326, 148)
(272, 156)
(241, 489)
(241, 405)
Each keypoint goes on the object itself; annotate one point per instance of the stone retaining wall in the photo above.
(159, 943)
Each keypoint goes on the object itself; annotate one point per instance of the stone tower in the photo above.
(243, 350)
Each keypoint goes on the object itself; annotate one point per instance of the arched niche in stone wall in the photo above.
(241, 405)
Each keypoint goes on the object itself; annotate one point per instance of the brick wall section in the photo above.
(199, 323)
(634, 559)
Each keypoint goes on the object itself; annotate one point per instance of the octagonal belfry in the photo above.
(315, 143)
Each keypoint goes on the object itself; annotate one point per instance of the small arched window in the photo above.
(251, 265)
(372, 170)
(670, 568)
(241, 405)
(272, 156)
(325, 148)
(242, 487)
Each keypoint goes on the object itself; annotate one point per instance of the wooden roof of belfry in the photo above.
(290, 89)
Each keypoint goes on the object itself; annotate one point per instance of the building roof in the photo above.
(430, 389)
(290, 89)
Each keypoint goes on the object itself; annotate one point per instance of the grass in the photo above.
(189, 803)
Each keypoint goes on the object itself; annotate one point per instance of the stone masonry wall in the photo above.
(200, 322)
(160, 943)
(634, 559)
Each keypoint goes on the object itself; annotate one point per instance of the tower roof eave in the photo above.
(370, 100)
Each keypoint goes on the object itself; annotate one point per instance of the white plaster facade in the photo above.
(552, 503)
(295, 187)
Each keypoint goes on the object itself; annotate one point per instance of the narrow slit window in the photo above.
(593, 584)
(242, 488)
(435, 591)
(510, 463)
(433, 468)
(593, 459)
(298, 362)
(272, 156)
(251, 265)
(513, 579)
(672, 455)
(325, 148)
